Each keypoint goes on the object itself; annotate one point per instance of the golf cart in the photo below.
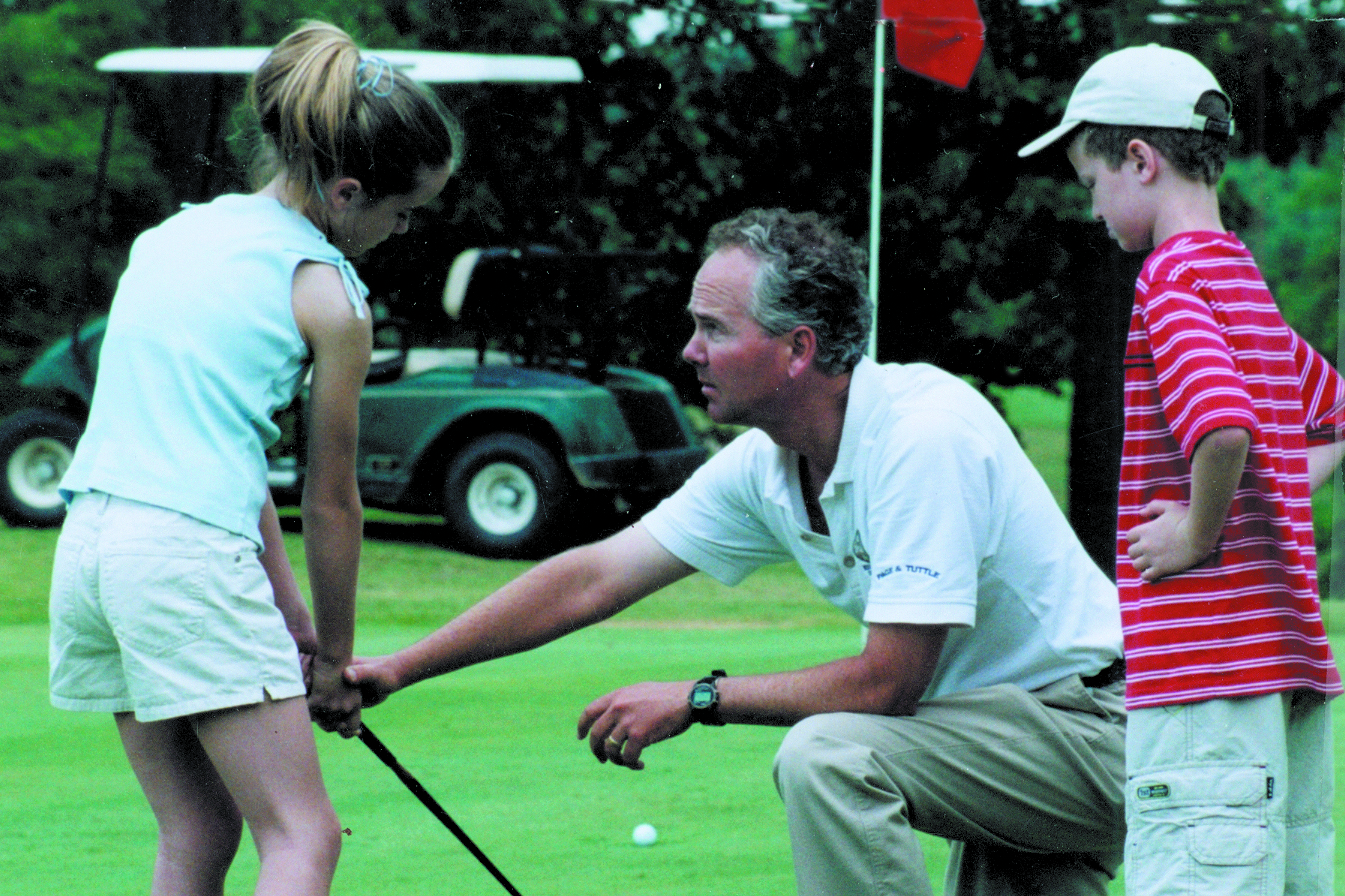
(504, 439)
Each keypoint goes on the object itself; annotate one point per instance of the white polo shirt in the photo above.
(936, 517)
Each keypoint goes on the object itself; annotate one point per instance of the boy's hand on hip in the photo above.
(1164, 545)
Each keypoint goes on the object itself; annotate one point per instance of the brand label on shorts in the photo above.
(1153, 792)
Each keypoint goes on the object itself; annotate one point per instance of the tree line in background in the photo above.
(988, 265)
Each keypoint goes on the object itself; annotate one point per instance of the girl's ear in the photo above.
(343, 192)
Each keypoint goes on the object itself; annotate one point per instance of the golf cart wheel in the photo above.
(503, 495)
(36, 446)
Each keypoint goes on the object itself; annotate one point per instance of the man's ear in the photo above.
(343, 192)
(802, 349)
(1144, 158)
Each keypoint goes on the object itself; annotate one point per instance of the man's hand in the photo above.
(620, 725)
(374, 678)
(1164, 545)
(333, 705)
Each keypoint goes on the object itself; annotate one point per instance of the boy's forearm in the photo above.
(1216, 470)
(1322, 463)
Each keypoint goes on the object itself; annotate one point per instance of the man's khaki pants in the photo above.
(1028, 786)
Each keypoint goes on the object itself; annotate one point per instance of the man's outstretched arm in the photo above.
(563, 594)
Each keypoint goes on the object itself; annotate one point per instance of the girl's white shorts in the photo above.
(157, 613)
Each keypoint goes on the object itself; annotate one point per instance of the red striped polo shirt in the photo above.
(1208, 349)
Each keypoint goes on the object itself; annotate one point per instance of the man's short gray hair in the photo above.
(810, 274)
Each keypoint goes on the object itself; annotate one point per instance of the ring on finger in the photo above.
(616, 743)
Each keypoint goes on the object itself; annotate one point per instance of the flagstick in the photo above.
(1338, 478)
(876, 186)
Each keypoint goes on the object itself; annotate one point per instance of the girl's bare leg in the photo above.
(267, 757)
(199, 823)
(263, 765)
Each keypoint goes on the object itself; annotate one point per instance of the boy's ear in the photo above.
(1144, 158)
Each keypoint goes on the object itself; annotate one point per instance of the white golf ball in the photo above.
(644, 835)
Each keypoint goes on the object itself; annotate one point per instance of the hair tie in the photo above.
(371, 74)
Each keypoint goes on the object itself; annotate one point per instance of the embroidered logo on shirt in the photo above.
(858, 554)
(857, 548)
(910, 568)
(1153, 792)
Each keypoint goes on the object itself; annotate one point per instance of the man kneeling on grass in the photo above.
(986, 704)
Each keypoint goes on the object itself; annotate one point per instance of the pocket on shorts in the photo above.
(71, 600)
(156, 597)
(1203, 824)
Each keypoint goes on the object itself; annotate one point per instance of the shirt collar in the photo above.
(865, 389)
(864, 392)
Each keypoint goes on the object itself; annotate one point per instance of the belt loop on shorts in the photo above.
(1108, 676)
(92, 504)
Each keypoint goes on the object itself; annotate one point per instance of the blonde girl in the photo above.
(173, 603)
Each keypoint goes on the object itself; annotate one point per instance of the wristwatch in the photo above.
(704, 699)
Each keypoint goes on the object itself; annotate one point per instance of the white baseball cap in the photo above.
(1149, 86)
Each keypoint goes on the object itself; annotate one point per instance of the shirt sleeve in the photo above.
(714, 522)
(1323, 392)
(1199, 385)
(927, 519)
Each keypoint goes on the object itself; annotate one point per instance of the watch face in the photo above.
(702, 696)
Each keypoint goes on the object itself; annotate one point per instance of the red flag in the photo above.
(940, 39)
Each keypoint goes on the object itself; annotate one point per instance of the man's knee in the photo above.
(816, 754)
(795, 755)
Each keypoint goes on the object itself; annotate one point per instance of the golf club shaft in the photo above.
(383, 753)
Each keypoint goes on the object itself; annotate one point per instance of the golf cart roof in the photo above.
(426, 66)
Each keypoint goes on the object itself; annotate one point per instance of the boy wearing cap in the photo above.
(1231, 420)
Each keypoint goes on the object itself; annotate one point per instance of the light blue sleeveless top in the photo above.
(201, 351)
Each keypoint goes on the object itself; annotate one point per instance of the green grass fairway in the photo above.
(1041, 421)
(495, 744)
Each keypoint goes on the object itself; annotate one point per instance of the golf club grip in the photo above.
(383, 753)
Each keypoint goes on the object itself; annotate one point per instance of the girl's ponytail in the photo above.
(326, 110)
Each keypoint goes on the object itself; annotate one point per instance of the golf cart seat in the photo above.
(386, 365)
